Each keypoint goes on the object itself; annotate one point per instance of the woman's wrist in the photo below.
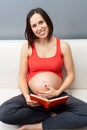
(26, 95)
(59, 91)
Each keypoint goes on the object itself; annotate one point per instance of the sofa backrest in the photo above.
(9, 62)
(10, 58)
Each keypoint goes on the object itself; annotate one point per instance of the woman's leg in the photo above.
(15, 111)
(73, 115)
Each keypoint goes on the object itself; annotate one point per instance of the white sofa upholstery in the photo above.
(9, 67)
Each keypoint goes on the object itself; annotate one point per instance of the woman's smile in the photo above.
(42, 32)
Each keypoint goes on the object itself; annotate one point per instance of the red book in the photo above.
(48, 103)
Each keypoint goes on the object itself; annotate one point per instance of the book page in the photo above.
(36, 97)
(59, 98)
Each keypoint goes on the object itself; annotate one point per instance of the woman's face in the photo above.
(39, 26)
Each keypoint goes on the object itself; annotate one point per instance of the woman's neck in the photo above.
(44, 41)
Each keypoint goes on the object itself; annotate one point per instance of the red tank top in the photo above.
(52, 64)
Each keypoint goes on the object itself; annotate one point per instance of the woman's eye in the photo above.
(41, 22)
(33, 26)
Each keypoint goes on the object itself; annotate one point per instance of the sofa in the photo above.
(9, 69)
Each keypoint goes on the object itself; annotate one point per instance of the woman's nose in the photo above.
(39, 27)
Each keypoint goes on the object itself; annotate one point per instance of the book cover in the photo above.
(48, 103)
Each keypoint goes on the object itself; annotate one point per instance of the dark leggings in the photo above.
(73, 114)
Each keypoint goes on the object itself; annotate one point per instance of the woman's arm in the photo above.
(23, 71)
(69, 67)
(25, 53)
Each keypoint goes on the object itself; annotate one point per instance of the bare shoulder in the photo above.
(25, 50)
(64, 46)
(24, 46)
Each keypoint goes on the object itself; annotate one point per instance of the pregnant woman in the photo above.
(42, 59)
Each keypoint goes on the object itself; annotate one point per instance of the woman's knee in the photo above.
(3, 114)
(6, 110)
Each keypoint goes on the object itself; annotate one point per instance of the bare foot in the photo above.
(31, 127)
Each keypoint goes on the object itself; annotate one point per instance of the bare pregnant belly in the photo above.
(39, 81)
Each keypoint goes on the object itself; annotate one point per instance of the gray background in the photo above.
(69, 17)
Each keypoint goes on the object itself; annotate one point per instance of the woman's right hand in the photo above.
(31, 102)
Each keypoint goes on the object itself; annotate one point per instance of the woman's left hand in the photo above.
(51, 92)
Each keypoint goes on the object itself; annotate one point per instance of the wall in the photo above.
(68, 16)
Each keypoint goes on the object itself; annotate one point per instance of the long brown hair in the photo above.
(29, 35)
